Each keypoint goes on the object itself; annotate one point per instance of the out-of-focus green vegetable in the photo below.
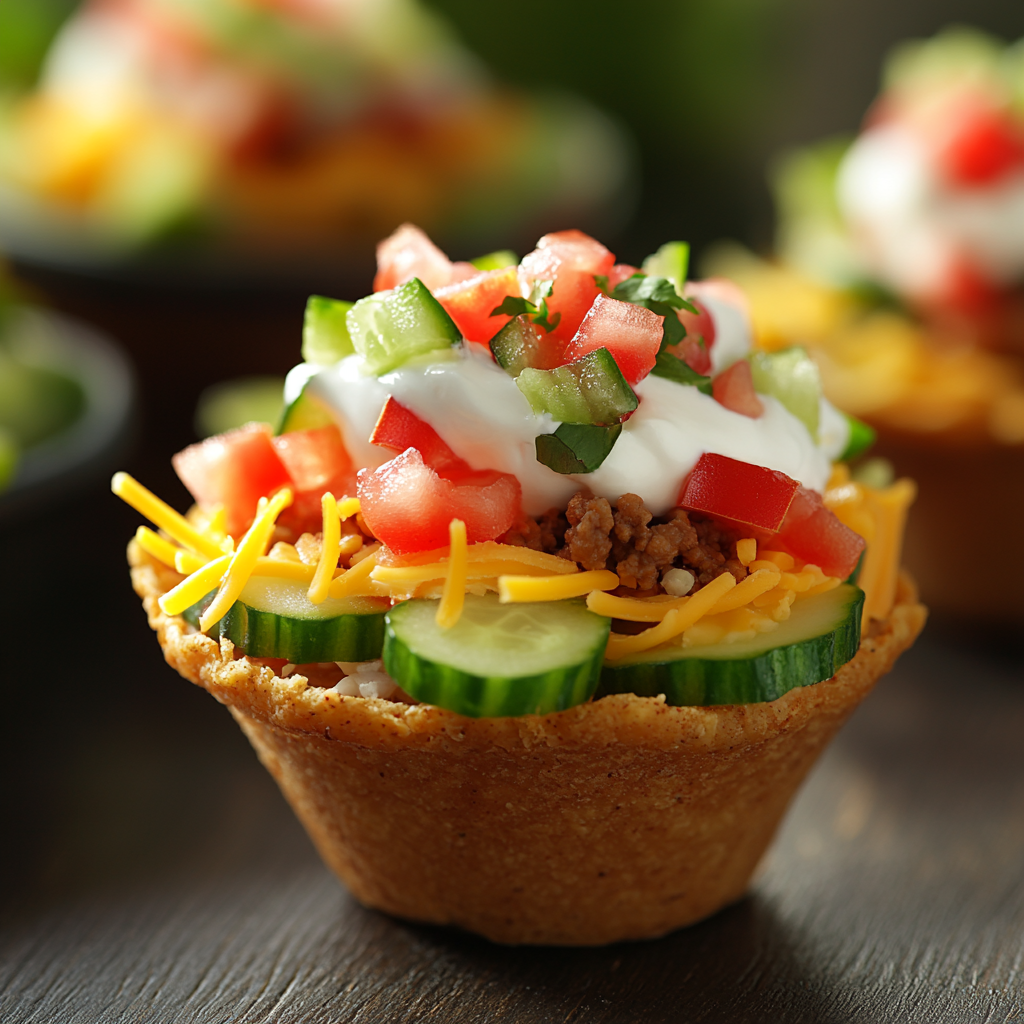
(8, 457)
(26, 29)
(35, 402)
(225, 406)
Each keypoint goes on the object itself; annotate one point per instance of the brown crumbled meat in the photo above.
(629, 540)
(308, 547)
(544, 533)
(590, 523)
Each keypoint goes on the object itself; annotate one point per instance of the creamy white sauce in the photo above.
(481, 414)
(910, 225)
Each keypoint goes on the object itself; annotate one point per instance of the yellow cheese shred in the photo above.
(746, 550)
(243, 561)
(411, 575)
(330, 550)
(161, 514)
(198, 585)
(878, 575)
(554, 588)
(635, 609)
(187, 562)
(677, 621)
(489, 550)
(347, 508)
(759, 582)
(153, 544)
(350, 582)
(453, 596)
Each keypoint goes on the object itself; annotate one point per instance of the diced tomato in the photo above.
(317, 461)
(235, 470)
(979, 145)
(409, 253)
(734, 388)
(314, 458)
(408, 505)
(469, 303)
(738, 492)
(571, 259)
(398, 428)
(814, 533)
(620, 272)
(631, 333)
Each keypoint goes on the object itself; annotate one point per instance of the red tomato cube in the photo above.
(398, 428)
(469, 303)
(734, 388)
(408, 505)
(814, 533)
(979, 145)
(620, 272)
(314, 459)
(409, 253)
(738, 492)
(571, 259)
(235, 470)
(631, 333)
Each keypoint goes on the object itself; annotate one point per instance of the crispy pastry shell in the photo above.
(623, 818)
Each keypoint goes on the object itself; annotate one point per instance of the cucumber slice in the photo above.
(517, 345)
(821, 634)
(673, 368)
(577, 447)
(496, 260)
(273, 618)
(307, 412)
(389, 328)
(589, 390)
(325, 337)
(792, 377)
(498, 659)
(671, 261)
(862, 437)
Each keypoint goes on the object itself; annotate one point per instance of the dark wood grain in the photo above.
(151, 872)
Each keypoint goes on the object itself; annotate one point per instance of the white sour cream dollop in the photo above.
(483, 416)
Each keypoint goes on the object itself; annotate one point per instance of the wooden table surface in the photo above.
(151, 871)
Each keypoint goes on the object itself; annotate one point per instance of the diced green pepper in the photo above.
(791, 377)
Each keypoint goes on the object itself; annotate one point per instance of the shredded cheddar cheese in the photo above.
(197, 586)
(554, 588)
(348, 508)
(352, 582)
(330, 550)
(243, 561)
(757, 583)
(187, 562)
(677, 621)
(746, 550)
(153, 544)
(453, 596)
(161, 514)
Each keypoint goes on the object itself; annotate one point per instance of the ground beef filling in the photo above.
(627, 539)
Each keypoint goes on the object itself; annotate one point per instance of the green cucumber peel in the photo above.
(589, 390)
(273, 618)
(862, 437)
(305, 413)
(325, 337)
(496, 260)
(516, 346)
(535, 307)
(498, 659)
(577, 447)
(392, 327)
(671, 261)
(791, 377)
(673, 368)
(821, 634)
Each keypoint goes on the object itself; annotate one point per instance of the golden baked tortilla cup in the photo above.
(623, 818)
